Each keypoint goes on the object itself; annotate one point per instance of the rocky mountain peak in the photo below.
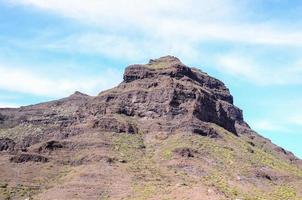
(172, 67)
(164, 62)
(78, 94)
(167, 89)
(168, 65)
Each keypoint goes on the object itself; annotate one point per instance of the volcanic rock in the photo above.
(7, 144)
(21, 158)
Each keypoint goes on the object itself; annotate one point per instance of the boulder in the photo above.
(23, 157)
(7, 144)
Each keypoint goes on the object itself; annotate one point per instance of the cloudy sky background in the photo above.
(51, 48)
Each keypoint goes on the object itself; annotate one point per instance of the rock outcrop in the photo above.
(21, 158)
(169, 96)
(7, 144)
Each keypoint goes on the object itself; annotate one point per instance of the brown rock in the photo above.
(21, 158)
(185, 152)
(7, 144)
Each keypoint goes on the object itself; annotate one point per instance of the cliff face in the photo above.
(164, 116)
(169, 96)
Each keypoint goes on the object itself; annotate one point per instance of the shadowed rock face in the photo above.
(167, 131)
(167, 89)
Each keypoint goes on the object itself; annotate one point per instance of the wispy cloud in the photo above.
(265, 125)
(296, 119)
(30, 82)
(281, 118)
(8, 105)
(118, 47)
(190, 20)
(245, 68)
(134, 30)
(280, 125)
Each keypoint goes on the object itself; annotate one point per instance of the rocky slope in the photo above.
(167, 131)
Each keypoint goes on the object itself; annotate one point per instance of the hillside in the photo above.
(167, 131)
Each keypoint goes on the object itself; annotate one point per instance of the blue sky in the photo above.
(50, 48)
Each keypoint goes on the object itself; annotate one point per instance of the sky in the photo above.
(51, 48)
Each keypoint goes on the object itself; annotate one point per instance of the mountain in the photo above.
(167, 131)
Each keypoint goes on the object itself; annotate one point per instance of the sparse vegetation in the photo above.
(17, 192)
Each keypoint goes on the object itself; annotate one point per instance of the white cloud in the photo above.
(8, 105)
(30, 82)
(281, 124)
(280, 117)
(268, 125)
(120, 47)
(243, 67)
(296, 119)
(136, 12)
(181, 19)
(134, 30)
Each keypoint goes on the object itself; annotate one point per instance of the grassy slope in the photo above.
(231, 163)
(147, 166)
